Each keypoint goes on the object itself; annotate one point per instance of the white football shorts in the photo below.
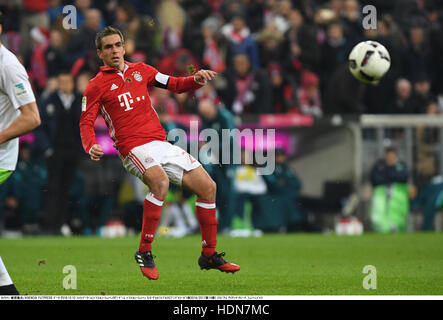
(173, 159)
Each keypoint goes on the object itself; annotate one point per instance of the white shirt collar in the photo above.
(66, 100)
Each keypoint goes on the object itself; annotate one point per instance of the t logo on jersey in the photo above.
(126, 100)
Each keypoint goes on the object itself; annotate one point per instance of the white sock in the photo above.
(5, 279)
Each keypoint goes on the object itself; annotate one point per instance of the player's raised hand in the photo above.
(205, 75)
(96, 152)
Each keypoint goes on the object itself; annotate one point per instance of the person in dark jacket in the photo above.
(249, 90)
(28, 183)
(299, 47)
(283, 199)
(334, 51)
(389, 170)
(344, 93)
(402, 102)
(81, 43)
(59, 140)
(55, 54)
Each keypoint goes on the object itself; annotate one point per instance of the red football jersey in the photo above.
(122, 99)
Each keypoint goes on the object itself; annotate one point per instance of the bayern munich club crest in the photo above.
(137, 76)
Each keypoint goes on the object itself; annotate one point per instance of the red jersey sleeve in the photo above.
(183, 84)
(174, 84)
(90, 109)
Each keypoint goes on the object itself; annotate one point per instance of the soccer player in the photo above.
(119, 92)
(18, 115)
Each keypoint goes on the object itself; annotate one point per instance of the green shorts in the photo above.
(4, 174)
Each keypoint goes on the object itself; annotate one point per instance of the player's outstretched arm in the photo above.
(202, 76)
(184, 84)
(27, 121)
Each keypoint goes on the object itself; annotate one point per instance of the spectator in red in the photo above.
(172, 18)
(162, 98)
(34, 14)
(40, 42)
(178, 64)
(208, 92)
(212, 55)
(309, 94)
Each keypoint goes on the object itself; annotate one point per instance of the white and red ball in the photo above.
(369, 61)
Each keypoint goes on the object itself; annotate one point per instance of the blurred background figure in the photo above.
(308, 94)
(390, 196)
(402, 100)
(249, 187)
(334, 51)
(240, 38)
(282, 199)
(59, 142)
(248, 90)
(223, 174)
(429, 201)
(81, 43)
(23, 194)
(34, 14)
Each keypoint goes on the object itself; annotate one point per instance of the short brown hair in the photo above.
(107, 32)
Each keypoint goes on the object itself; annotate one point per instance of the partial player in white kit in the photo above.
(18, 115)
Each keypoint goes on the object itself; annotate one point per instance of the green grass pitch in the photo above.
(275, 264)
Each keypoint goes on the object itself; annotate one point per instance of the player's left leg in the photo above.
(6, 285)
(157, 181)
(199, 182)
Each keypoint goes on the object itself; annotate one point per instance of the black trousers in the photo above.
(62, 166)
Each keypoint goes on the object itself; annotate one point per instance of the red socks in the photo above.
(152, 207)
(205, 215)
(208, 225)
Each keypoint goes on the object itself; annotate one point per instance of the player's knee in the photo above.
(163, 185)
(209, 190)
(212, 188)
(160, 187)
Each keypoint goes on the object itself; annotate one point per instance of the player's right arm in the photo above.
(28, 120)
(90, 109)
(15, 84)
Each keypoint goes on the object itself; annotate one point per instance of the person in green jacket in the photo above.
(217, 117)
(281, 207)
(390, 198)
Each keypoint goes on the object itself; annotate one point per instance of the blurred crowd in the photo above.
(272, 56)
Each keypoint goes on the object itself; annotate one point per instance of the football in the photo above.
(369, 61)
